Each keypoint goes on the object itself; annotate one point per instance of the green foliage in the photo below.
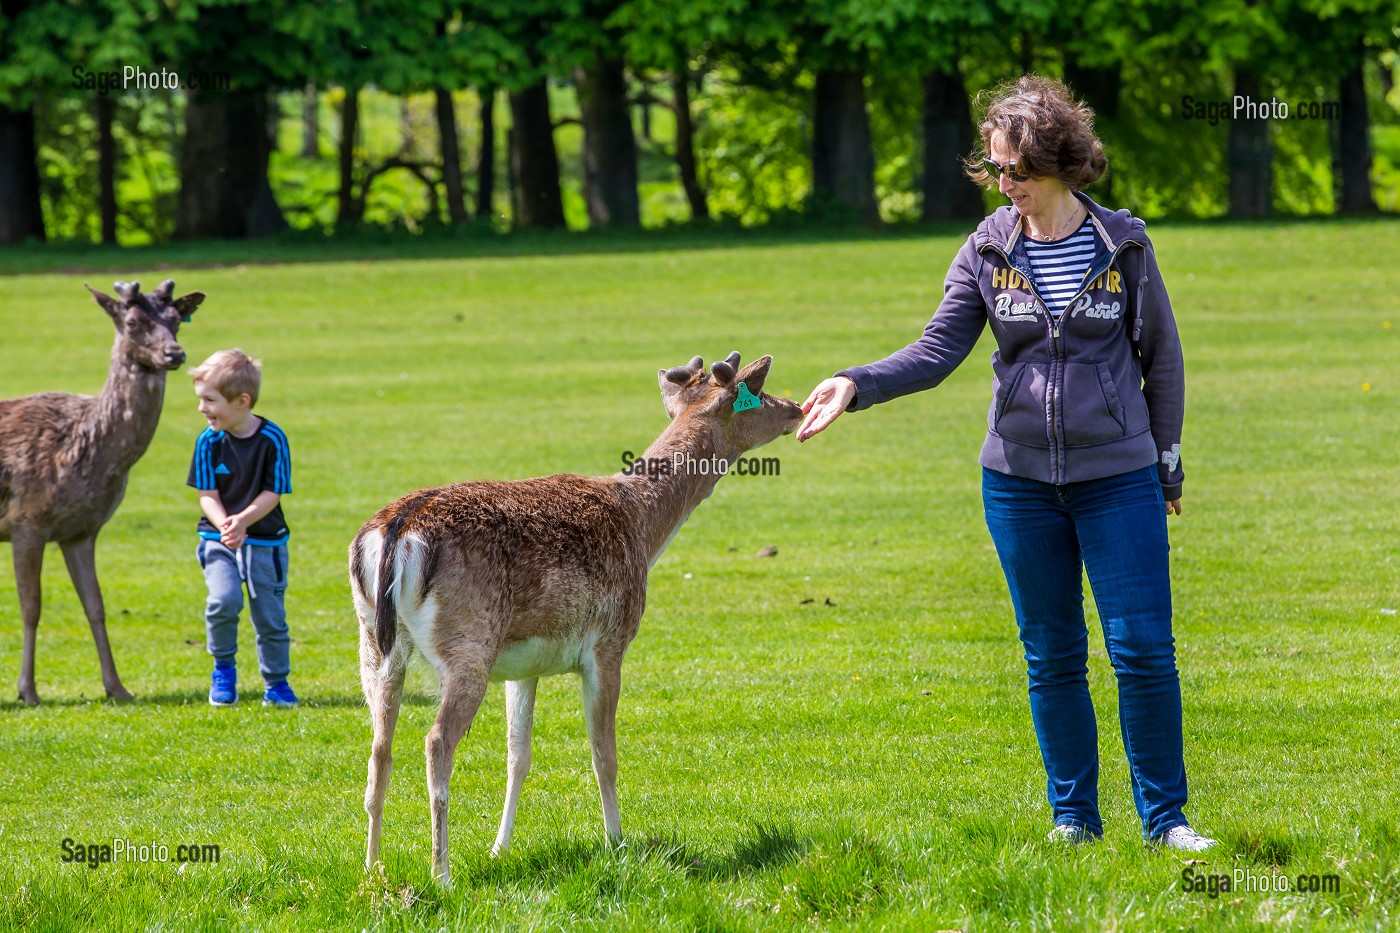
(146, 137)
(1159, 163)
(754, 63)
(895, 104)
(752, 146)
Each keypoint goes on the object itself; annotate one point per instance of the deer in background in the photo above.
(514, 581)
(64, 460)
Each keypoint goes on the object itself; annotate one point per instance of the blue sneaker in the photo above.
(223, 686)
(279, 694)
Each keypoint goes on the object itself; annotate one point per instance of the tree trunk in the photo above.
(348, 211)
(685, 146)
(265, 216)
(609, 147)
(310, 122)
(106, 169)
(948, 138)
(21, 215)
(1251, 157)
(486, 161)
(843, 160)
(451, 156)
(534, 160)
(224, 190)
(1100, 88)
(1352, 162)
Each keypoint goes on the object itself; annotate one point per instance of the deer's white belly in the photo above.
(542, 657)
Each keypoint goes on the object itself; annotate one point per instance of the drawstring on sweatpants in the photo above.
(245, 568)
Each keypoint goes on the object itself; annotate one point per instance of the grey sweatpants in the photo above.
(265, 571)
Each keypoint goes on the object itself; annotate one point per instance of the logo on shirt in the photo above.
(1013, 312)
(1171, 458)
(1008, 278)
(223, 470)
(1102, 310)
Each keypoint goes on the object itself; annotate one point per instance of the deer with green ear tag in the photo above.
(513, 581)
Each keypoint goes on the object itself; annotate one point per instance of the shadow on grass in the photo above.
(370, 245)
(766, 847)
(200, 697)
(1265, 846)
(467, 243)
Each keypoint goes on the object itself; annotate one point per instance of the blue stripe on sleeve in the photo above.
(203, 453)
(282, 469)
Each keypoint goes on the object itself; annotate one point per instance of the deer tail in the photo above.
(386, 616)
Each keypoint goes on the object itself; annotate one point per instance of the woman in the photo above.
(1081, 463)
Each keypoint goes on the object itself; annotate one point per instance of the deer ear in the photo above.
(186, 304)
(755, 373)
(670, 394)
(112, 306)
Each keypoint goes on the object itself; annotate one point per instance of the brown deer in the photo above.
(64, 461)
(514, 581)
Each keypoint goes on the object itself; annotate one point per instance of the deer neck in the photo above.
(128, 410)
(688, 459)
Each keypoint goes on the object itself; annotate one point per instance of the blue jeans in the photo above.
(264, 571)
(1116, 528)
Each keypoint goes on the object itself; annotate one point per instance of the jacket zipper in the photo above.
(1054, 328)
(1089, 278)
(1054, 322)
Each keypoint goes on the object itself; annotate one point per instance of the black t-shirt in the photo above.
(241, 467)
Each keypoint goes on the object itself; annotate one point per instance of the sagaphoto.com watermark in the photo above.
(681, 463)
(1244, 107)
(1250, 881)
(121, 851)
(136, 78)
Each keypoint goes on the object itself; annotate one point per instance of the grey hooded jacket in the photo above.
(1098, 393)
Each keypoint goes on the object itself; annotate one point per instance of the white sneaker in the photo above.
(1184, 839)
(1070, 834)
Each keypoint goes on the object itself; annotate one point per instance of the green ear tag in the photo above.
(746, 399)
(185, 319)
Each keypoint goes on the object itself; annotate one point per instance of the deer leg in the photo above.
(28, 554)
(462, 691)
(383, 690)
(602, 682)
(81, 557)
(520, 720)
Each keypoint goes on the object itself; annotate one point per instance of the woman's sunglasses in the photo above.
(1009, 168)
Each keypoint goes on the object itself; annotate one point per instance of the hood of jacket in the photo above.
(1005, 226)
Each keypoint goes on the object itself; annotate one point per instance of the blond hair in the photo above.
(232, 373)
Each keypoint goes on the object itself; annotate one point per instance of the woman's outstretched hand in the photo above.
(825, 405)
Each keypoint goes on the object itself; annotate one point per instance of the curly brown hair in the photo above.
(1051, 132)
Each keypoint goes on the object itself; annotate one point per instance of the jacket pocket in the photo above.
(1093, 414)
(1018, 412)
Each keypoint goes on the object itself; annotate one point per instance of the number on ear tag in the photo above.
(746, 399)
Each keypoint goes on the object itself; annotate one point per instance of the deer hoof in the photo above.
(119, 693)
(29, 696)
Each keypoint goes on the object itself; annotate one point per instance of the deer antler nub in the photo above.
(726, 369)
(680, 375)
(127, 290)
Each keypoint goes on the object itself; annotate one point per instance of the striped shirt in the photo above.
(1059, 266)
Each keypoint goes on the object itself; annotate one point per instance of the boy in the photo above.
(242, 467)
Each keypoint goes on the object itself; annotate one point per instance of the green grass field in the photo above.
(834, 737)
